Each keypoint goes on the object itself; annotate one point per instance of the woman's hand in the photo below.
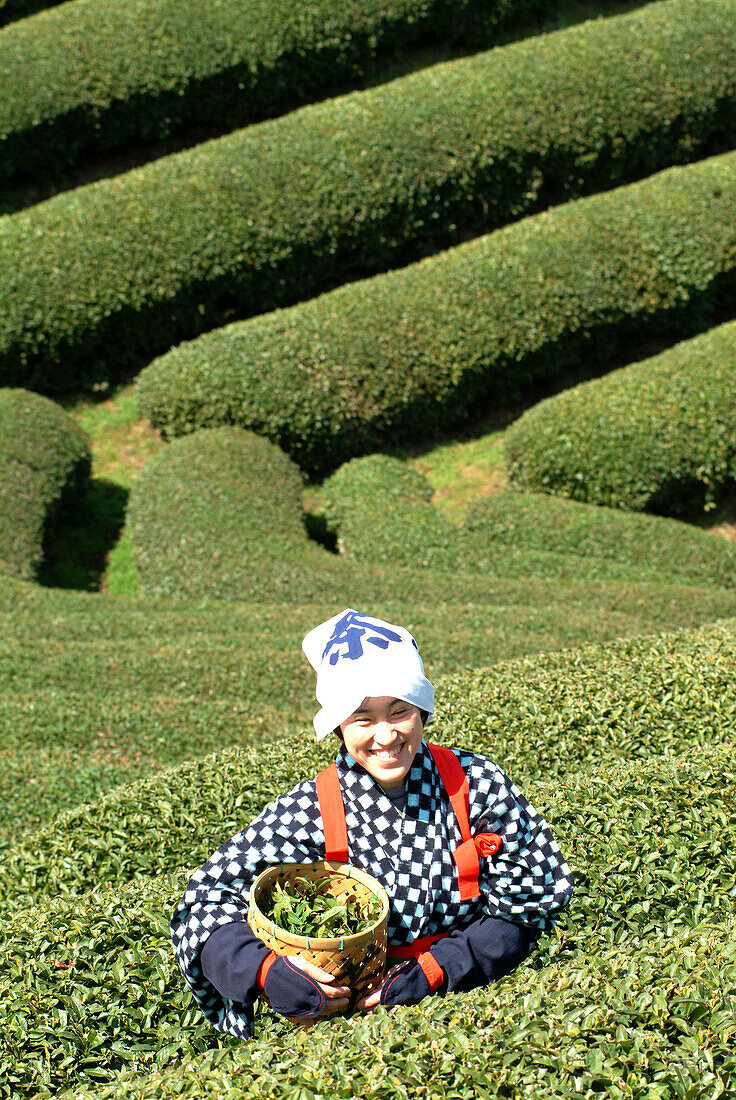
(405, 983)
(302, 991)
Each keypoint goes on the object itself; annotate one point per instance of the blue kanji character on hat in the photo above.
(351, 630)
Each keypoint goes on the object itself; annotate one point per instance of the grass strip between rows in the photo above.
(104, 277)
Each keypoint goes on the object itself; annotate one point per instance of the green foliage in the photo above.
(381, 511)
(556, 715)
(306, 908)
(657, 435)
(402, 355)
(653, 1023)
(537, 522)
(220, 514)
(91, 987)
(44, 463)
(121, 269)
(88, 77)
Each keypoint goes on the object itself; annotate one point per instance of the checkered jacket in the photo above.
(410, 854)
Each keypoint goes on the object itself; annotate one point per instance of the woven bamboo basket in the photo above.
(360, 960)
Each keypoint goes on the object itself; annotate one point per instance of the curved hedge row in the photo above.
(380, 511)
(553, 715)
(538, 522)
(44, 459)
(425, 347)
(91, 987)
(219, 513)
(90, 76)
(659, 434)
(120, 269)
(650, 1021)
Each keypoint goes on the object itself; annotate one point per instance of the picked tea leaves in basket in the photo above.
(331, 914)
(307, 908)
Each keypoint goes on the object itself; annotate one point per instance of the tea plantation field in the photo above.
(415, 306)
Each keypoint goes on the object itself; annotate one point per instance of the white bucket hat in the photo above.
(356, 656)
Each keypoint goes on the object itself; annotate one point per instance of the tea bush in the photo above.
(380, 510)
(220, 514)
(44, 460)
(539, 522)
(658, 435)
(91, 987)
(119, 270)
(88, 77)
(654, 1022)
(375, 362)
(552, 716)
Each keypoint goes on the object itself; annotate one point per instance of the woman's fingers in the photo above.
(325, 979)
(371, 1001)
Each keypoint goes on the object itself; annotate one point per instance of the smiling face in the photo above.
(383, 735)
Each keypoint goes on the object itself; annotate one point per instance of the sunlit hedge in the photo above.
(219, 514)
(90, 76)
(539, 522)
(118, 271)
(658, 435)
(380, 510)
(376, 362)
(44, 460)
(90, 987)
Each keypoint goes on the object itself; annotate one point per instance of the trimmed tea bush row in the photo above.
(380, 510)
(538, 522)
(651, 1023)
(44, 459)
(658, 435)
(120, 269)
(220, 514)
(552, 715)
(99, 975)
(88, 77)
(366, 365)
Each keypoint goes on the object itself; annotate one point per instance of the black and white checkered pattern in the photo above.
(409, 853)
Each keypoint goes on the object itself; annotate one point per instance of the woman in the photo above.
(472, 872)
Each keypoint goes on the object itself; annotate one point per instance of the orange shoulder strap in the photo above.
(332, 808)
(466, 854)
(456, 785)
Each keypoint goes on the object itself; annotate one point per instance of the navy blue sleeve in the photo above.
(231, 958)
(485, 951)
